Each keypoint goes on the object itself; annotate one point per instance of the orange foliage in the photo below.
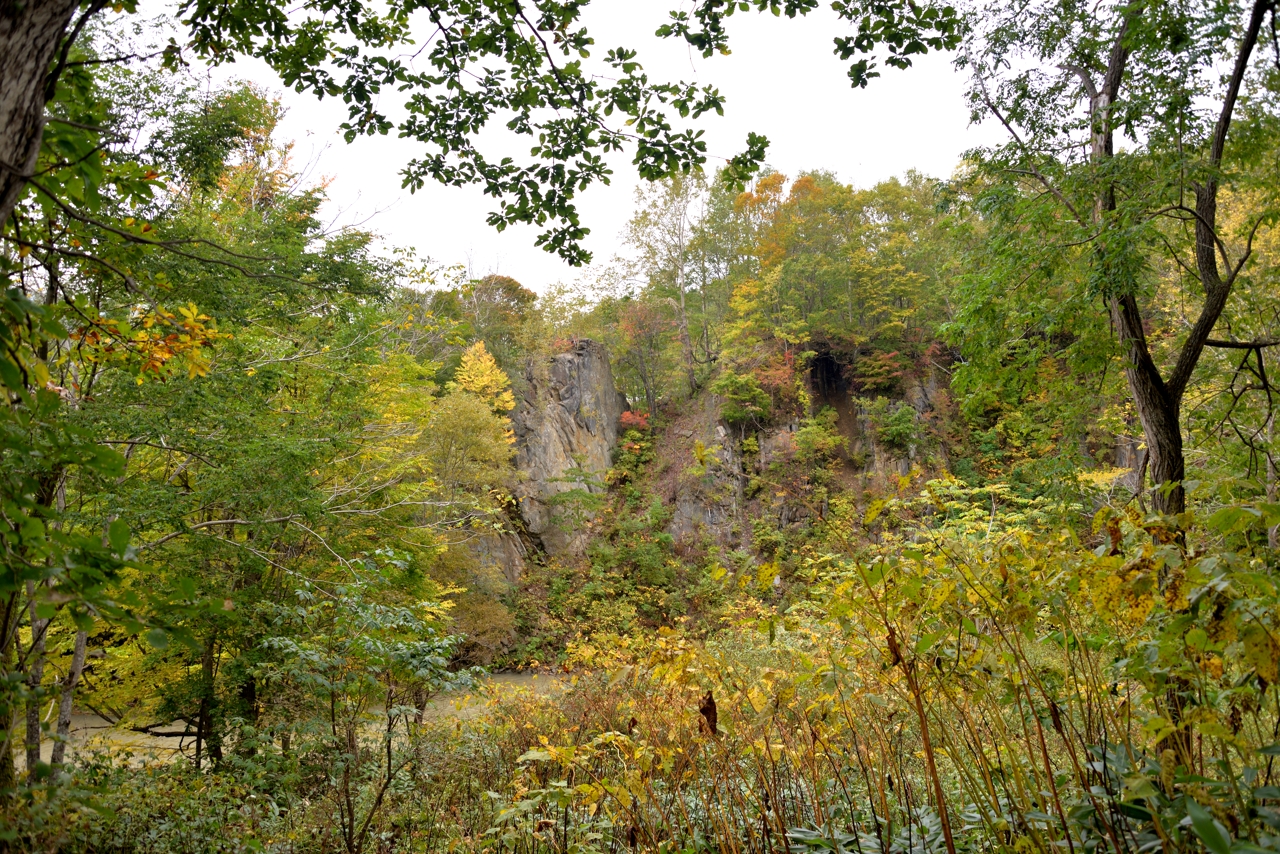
(778, 376)
(634, 420)
(156, 342)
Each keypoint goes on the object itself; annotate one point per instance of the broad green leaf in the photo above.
(1212, 834)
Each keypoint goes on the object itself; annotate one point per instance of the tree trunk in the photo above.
(1273, 533)
(30, 33)
(68, 695)
(249, 698)
(1158, 409)
(39, 627)
(249, 708)
(686, 341)
(650, 397)
(9, 616)
(207, 739)
(35, 676)
(706, 327)
(1159, 402)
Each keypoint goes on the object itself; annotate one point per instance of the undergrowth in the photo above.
(1026, 690)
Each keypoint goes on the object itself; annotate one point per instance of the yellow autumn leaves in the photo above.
(153, 342)
(480, 374)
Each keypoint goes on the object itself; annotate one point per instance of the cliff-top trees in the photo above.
(660, 232)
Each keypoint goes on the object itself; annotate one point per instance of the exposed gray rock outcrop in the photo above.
(720, 486)
(707, 495)
(566, 420)
(502, 552)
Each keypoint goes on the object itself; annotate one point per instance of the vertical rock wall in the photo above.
(567, 419)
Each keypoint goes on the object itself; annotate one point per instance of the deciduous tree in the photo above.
(1119, 120)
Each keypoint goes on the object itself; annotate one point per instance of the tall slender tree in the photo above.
(1119, 119)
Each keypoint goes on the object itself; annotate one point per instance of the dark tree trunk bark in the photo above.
(35, 676)
(1273, 533)
(30, 34)
(202, 715)
(68, 697)
(249, 698)
(9, 617)
(249, 705)
(1158, 409)
(1159, 402)
(208, 740)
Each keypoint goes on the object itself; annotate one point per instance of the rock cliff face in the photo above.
(567, 420)
(708, 496)
(715, 487)
(502, 554)
(869, 456)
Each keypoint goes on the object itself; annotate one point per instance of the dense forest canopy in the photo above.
(930, 515)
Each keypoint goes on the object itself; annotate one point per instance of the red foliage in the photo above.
(641, 320)
(936, 354)
(778, 374)
(879, 371)
(778, 377)
(634, 421)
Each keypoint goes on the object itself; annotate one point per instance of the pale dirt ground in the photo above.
(91, 733)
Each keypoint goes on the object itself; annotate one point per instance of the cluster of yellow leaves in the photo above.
(479, 374)
(1102, 478)
(1124, 590)
(154, 342)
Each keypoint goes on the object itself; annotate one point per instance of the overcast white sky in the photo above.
(782, 80)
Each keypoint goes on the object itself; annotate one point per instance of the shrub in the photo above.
(895, 422)
(744, 401)
(633, 454)
(631, 420)
(817, 440)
